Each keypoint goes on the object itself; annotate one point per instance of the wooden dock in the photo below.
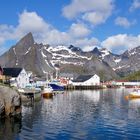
(72, 87)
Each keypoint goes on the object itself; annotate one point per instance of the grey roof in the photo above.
(82, 78)
(66, 74)
(12, 72)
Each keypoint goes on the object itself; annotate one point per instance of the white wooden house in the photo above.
(87, 80)
(17, 76)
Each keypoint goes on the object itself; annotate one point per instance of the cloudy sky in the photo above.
(113, 24)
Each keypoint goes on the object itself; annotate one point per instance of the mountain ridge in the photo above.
(42, 59)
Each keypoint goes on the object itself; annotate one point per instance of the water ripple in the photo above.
(78, 115)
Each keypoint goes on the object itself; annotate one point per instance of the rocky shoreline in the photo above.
(10, 102)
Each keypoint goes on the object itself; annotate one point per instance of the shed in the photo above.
(87, 80)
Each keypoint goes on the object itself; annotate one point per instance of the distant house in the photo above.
(66, 75)
(65, 78)
(87, 80)
(17, 76)
(124, 83)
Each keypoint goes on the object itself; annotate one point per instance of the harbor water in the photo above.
(77, 115)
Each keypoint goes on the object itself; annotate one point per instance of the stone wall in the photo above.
(10, 102)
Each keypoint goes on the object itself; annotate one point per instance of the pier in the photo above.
(81, 87)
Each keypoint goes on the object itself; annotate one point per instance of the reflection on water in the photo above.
(101, 114)
(9, 128)
(134, 108)
(92, 95)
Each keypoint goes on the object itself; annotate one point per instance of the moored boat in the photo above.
(57, 88)
(30, 94)
(47, 92)
(134, 94)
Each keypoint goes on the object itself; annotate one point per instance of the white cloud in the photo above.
(124, 22)
(77, 34)
(121, 42)
(88, 48)
(95, 17)
(135, 5)
(5, 33)
(93, 11)
(30, 21)
(55, 37)
(79, 30)
(87, 44)
(43, 32)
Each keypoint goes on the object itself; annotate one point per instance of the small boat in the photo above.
(134, 94)
(30, 94)
(47, 92)
(57, 88)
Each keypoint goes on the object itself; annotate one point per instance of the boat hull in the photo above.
(47, 95)
(29, 94)
(47, 92)
(57, 88)
(134, 95)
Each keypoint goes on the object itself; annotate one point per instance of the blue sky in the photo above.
(113, 24)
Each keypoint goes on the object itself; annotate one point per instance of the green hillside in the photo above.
(133, 76)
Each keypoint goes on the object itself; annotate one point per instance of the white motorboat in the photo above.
(134, 94)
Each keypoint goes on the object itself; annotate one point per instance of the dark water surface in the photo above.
(77, 115)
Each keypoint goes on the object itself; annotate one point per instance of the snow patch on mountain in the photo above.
(16, 62)
(117, 60)
(27, 51)
(121, 67)
(104, 52)
(57, 53)
(47, 63)
(132, 52)
(14, 51)
(58, 48)
(43, 55)
(44, 71)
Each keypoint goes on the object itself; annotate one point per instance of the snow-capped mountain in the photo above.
(41, 59)
(123, 64)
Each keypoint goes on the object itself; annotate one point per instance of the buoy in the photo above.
(126, 97)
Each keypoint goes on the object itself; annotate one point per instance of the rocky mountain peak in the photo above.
(41, 59)
(75, 49)
(96, 51)
(26, 41)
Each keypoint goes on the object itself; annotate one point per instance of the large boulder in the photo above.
(2, 109)
(10, 101)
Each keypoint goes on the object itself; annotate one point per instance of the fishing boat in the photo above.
(47, 92)
(134, 94)
(47, 89)
(56, 87)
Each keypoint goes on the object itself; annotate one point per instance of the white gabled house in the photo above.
(87, 80)
(17, 76)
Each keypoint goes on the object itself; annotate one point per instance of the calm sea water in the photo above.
(77, 115)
